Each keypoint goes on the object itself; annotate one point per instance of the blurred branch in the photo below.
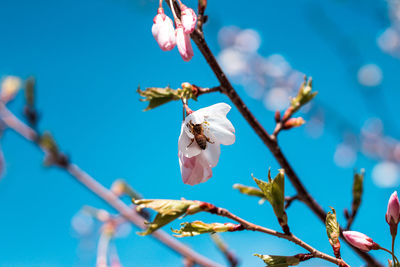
(103, 193)
(272, 144)
(357, 197)
(230, 256)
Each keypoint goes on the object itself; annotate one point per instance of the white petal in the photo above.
(194, 170)
(212, 153)
(184, 142)
(217, 123)
(188, 18)
(156, 25)
(222, 130)
(220, 109)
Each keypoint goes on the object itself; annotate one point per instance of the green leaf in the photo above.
(47, 142)
(279, 261)
(333, 231)
(30, 91)
(274, 192)
(304, 95)
(250, 191)
(198, 227)
(168, 210)
(357, 189)
(121, 187)
(158, 96)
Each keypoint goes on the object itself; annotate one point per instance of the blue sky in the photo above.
(89, 57)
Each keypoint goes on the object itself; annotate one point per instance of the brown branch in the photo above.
(290, 237)
(280, 124)
(277, 130)
(203, 91)
(289, 201)
(350, 218)
(201, 19)
(103, 193)
(271, 142)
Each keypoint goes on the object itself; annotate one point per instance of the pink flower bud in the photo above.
(189, 19)
(361, 241)
(393, 209)
(163, 31)
(293, 122)
(183, 43)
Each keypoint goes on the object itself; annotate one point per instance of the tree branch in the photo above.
(203, 91)
(103, 193)
(290, 237)
(289, 201)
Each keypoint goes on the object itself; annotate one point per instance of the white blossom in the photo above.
(195, 162)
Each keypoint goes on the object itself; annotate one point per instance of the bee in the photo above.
(198, 133)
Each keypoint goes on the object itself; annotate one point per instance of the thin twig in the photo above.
(201, 18)
(280, 125)
(290, 237)
(289, 200)
(203, 91)
(350, 218)
(106, 195)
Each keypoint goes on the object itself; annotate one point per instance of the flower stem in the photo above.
(393, 256)
(177, 21)
(395, 260)
(102, 249)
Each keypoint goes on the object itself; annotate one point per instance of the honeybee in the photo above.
(198, 133)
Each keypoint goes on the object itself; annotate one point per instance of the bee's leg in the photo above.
(190, 143)
(208, 140)
(190, 126)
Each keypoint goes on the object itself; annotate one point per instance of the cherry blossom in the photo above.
(393, 209)
(360, 240)
(216, 129)
(163, 31)
(194, 170)
(183, 43)
(189, 19)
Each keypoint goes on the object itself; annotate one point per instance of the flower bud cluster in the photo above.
(168, 37)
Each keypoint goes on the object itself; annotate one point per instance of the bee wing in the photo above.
(187, 130)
